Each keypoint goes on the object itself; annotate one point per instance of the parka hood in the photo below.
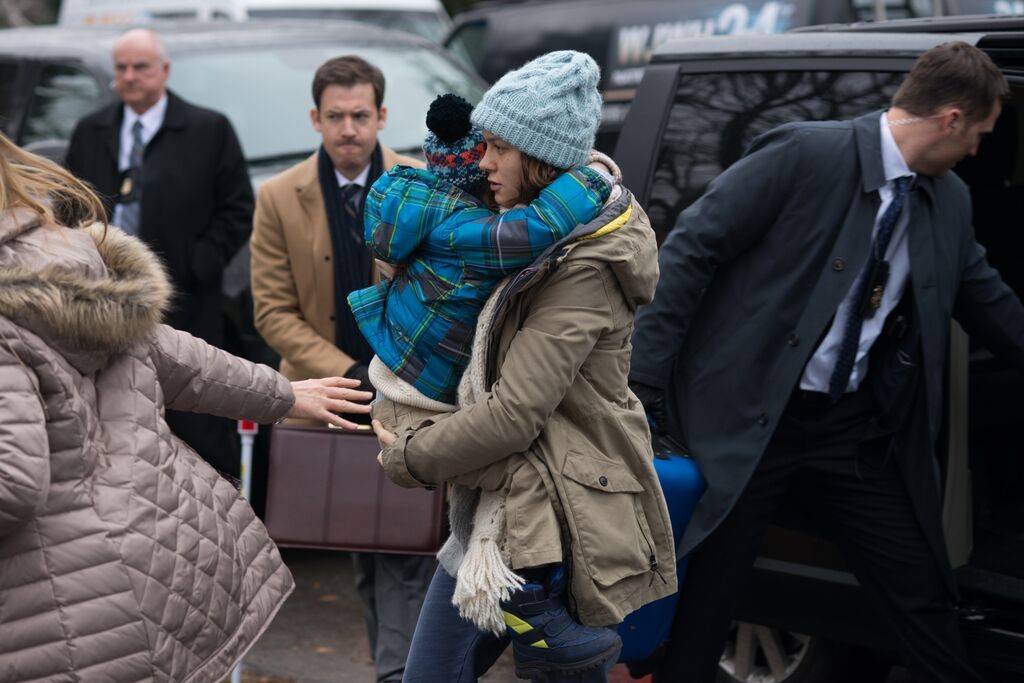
(83, 291)
(620, 236)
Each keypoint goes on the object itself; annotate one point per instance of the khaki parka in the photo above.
(560, 350)
(123, 556)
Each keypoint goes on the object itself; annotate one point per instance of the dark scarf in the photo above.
(352, 259)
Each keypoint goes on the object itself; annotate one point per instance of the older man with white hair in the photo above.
(173, 174)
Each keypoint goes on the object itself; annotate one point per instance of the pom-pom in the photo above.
(448, 118)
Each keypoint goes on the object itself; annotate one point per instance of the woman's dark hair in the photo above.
(952, 74)
(537, 175)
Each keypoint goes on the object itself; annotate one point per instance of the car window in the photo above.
(8, 81)
(62, 95)
(467, 43)
(269, 98)
(716, 115)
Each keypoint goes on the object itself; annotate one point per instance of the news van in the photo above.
(621, 36)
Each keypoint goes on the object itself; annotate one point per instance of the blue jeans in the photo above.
(448, 649)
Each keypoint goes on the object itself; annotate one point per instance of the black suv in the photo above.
(701, 102)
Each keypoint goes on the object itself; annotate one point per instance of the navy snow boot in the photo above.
(545, 639)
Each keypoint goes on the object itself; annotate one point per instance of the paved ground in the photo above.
(318, 637)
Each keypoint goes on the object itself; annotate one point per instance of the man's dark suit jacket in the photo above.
(751, 277)
(197, 200)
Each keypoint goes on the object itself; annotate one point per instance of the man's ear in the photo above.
(382, 118)
(314, 118)
(952, 119)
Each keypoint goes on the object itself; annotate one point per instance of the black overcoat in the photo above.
(197, 199)
(751, 276)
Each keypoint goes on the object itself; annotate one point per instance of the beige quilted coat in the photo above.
(123, 556)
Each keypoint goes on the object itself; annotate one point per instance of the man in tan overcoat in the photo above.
(308, 253)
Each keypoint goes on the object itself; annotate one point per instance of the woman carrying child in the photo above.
(557, 447)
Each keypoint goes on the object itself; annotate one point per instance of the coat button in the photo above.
(794, 339)
(763, 420)
(603, 481)
(327, 258)
(838, 264)
(332, 318)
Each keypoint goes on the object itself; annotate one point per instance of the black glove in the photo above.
(653, 400)
(361, 373)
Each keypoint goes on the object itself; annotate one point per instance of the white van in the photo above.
(426, 18)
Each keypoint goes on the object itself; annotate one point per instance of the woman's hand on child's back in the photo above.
(388, 270)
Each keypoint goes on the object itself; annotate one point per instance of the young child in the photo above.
(451, 251)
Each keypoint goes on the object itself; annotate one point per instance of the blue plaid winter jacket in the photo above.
(455, 250)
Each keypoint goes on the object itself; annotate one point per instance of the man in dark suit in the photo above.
(797, 342)
(173, 174)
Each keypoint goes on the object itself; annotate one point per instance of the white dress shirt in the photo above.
(359, 180)
(151, 120)
(819, 368)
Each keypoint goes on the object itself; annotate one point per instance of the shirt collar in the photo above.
(893, 163)
(359, 180)
(151, 119)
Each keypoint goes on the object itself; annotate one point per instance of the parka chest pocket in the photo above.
(603, 502)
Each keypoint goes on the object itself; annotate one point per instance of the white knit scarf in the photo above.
(484, 577)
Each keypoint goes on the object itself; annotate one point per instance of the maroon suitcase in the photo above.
(326, 490)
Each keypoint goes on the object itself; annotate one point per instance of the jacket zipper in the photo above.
(650, 547)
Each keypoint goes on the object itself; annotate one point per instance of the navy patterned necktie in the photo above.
(847, 356)
(131, 209)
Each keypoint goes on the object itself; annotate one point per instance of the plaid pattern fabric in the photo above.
(455, 250)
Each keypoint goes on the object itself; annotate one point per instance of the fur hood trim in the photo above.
(82, 311)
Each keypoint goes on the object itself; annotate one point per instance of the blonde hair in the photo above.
(31, 182)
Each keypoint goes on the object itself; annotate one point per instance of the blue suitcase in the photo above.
(648, 627)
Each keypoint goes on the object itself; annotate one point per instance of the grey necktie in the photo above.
(131, 187)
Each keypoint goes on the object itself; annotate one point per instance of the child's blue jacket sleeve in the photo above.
(406, 205)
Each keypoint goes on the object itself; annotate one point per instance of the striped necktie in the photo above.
(351, 196)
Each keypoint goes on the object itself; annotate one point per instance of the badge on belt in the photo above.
(875, 289)
(129, 190)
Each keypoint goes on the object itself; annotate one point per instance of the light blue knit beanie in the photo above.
(549, 108)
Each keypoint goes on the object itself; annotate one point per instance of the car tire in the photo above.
(762, 654)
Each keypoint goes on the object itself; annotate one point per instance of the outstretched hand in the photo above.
(322, 399)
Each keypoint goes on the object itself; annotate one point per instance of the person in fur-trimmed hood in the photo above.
(123, 555)
(547, 381)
